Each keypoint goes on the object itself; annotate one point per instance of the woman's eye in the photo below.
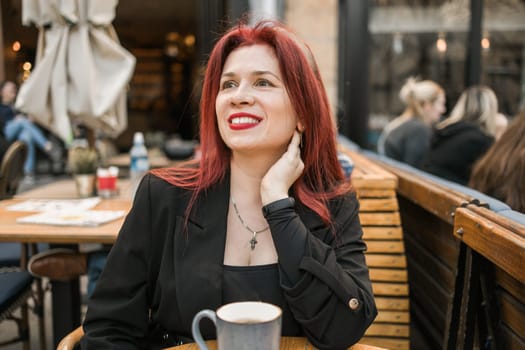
(263, 83)
(228, 84)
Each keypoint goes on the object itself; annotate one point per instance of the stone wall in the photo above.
(316, 22)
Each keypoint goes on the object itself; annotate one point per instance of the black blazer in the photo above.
(159, 275)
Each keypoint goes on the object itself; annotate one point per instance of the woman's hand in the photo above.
(280, 177)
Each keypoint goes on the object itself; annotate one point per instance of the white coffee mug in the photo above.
(249, 325)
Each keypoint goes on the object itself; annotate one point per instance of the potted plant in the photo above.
(83, 163)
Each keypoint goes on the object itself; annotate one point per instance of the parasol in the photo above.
(81, 71)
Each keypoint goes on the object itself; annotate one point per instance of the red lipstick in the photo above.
(243, 121)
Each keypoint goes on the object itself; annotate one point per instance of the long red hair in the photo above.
(322, 178)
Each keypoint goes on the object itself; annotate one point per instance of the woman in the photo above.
(500, 173)
(464, 136)
(17, 126)
(227, 228)
(407, 137)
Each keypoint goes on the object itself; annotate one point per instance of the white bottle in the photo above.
(139, 163)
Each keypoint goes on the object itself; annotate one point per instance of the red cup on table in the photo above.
(107, 181)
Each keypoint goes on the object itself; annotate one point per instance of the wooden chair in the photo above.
(12, 169)
(71, 340)
(17, 287)
(16, 290)
(17, 283)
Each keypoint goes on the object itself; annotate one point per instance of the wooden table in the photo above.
(65, 295)
(11, 231)
(287, 343)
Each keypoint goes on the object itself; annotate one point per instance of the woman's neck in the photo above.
(247, 172)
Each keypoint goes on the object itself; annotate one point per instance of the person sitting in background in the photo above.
(407, 137)
(17, 126)
(500, 173)
(261, 215)
(462, 138)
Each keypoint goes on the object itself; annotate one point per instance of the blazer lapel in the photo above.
(198, 265)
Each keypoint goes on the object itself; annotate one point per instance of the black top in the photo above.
(258, 283)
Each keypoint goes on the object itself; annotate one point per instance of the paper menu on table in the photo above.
(56, 205)
(73, 218)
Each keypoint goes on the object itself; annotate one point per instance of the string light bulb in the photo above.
(485, 42)
(441, 43)
(397, 43)
(26, 68)
(16, 46)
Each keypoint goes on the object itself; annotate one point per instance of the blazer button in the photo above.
(353, 303)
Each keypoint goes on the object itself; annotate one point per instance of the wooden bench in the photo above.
(493, 276)
(465, 265)
(379, 216)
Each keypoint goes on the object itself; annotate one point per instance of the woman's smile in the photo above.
(242, 121)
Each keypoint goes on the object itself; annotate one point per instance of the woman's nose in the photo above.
(242, 96)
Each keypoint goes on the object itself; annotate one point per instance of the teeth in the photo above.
(244, 120)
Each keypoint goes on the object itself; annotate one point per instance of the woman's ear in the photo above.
(300, 126)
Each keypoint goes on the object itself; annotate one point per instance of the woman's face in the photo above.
(254, 111)
(434, 110)
(8, 93)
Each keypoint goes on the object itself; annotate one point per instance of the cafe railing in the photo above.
(465, 256)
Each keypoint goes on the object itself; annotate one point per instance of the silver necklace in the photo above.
(253, 240)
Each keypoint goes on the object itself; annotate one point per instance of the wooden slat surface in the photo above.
(437, 221)
(389, 343)
(388, 275)
(500, 220)
(510, 284)
(385, 255)
(499, 245)
(388, 329)
(390, 289)
(378, 204)
(389, 303)
(382, 233)
(393, 316)
(444, 200)
(365, 192)
(380, 219)
(380, 260)
(513, 314)
(385, 247)
(367, 174)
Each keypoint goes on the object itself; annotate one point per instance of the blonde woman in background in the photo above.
(464, 136)
(407, 137)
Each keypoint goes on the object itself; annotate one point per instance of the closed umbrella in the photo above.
(81, 71)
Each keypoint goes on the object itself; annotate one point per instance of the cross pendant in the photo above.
(253, 241)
